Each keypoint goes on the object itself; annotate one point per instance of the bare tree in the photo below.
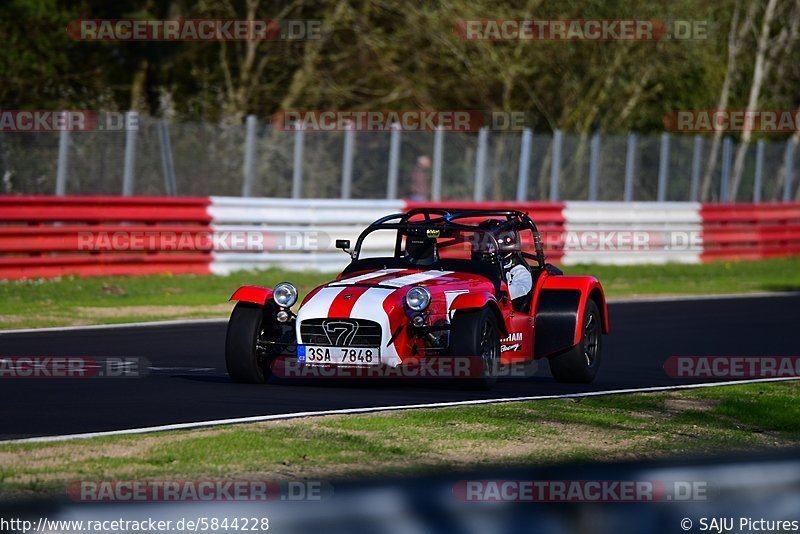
(735, 37)
(767, 51)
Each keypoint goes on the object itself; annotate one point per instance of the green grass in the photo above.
(106, 300)
(69, 301)
(782, 274)
(752, 417)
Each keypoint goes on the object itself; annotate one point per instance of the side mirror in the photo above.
(343, 244)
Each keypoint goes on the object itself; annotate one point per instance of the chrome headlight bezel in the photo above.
(284, 294)
(418, 298)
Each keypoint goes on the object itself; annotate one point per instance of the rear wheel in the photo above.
(580, 363)
(475, 335)
(243, 358)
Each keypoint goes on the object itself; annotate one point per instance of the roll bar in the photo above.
(442, 219)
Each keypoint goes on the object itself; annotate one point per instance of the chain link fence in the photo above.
(199, 159)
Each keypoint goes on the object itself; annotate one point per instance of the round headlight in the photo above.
(418, 298)
(285, 294)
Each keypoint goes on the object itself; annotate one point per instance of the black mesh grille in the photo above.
(341, 332)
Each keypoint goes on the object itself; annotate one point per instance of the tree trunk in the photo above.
(138, 85)
(760, 71)
(735, 36)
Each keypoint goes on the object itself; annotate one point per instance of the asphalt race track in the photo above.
(187, 381)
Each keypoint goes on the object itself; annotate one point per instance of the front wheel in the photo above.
(580, 363)
(243, 358)
(476, 336)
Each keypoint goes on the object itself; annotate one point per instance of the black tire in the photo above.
(245, 364)
(580, 363)
(475, 335)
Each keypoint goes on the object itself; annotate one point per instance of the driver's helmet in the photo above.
(421, 249)
(508, 240)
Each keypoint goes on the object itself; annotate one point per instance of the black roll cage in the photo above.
(442, 219)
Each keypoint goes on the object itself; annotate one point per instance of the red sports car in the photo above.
(459, 284)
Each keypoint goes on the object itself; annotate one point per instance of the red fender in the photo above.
(479, 299)
(467, 301)
(254, 294)
(589, 287)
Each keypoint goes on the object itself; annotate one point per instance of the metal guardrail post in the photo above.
(725, 177)
(347, 161)
(167, 165)
(249, 156)
(62, 172)
(759, 172)
(697, 160)
(630, 163)
(480, 165)
(394, 162)
(594, 165)
(555, 166)
(787, 183)
(436, 174)
(131, 132)
(663, 168)
(524, 164)
(297, 169)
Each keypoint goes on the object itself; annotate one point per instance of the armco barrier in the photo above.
(750, 231)
(48, 236)
(302, 232)
(623, 233)
(328, 220)
(90, 236)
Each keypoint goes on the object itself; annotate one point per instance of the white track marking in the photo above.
(190, 322)
(415, 278)
(362, 277)
(689, 298)
(350, 411)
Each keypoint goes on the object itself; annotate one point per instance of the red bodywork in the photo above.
(453, 255)
(589, 288)
(253, 294)
(380, 296)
